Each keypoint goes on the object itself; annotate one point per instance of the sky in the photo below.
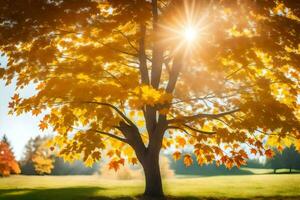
(18, 129)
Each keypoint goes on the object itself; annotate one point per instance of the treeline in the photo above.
(289, 159)
(38, 159)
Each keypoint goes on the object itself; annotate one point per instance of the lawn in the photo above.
(282, 186)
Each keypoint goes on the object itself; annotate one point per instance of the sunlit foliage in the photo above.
(43, 159)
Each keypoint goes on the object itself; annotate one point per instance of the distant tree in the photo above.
(8, 164)
(33, 161)
(43, 159)
(31, 149)
(5, 140)
(255, 163)
(75, 168)
(276, 162)
(289, 158)
(211, 169)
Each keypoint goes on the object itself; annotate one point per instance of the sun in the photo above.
(190, 34)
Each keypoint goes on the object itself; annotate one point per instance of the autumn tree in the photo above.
(31, 149)
(43, 160)
(8, 164)
(124, 79)
(5, 140)
(38, 158)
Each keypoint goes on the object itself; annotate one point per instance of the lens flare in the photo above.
(190, 34)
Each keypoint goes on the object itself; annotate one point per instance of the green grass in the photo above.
(268, 171)
(283, 186)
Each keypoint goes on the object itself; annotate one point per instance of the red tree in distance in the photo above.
(8, 164)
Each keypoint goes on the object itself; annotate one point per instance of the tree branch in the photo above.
(110, 135)
(177, 64)
(118, 50)
(202, 115)
(182, 129)
(198, 131)
(113, 107)
(142, 56)
(157, 52)
(129, 42)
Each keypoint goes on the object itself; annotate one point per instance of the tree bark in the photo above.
(151, 168)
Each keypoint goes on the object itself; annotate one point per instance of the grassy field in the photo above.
(281, 186)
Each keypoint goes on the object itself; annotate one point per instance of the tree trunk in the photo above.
(290, 170)
(152, 176)
(274, 171)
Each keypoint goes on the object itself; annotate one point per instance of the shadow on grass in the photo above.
(90, 193)
(73, 193)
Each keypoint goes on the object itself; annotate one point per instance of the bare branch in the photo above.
(118, 50)
(129, 42)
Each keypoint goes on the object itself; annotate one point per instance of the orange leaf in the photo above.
(122, 161)
(269, 153)
(187, 160)
(253, 151)
(181, 141)
(114, 165)
(176, 155)
(134, 161)
(43, 125)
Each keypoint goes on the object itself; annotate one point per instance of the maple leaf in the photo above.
(43, 125)
(122, 161)
(134, 161)
(110, 153)
(16, 98)
(253, 151)
(176, 155)
(181, 141)
(115, 165)
(187, 160)
(269, 153)
(229, 163)
(36, 112)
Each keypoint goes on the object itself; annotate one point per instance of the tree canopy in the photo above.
(8, 164)
(117, 76)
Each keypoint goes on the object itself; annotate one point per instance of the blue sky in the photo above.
(18, 129)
